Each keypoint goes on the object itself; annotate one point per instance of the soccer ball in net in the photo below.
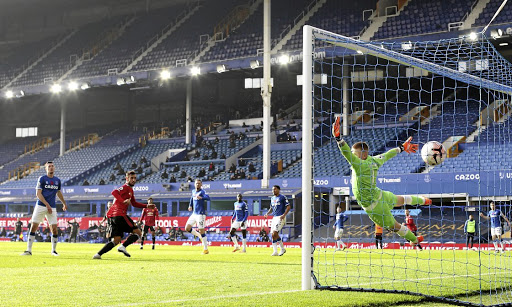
(433, 153)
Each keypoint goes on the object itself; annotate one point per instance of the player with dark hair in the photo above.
(150, 218)
(279, 207)
(409, 222)
(378, 236)
(239, 220)
(48, 186)
(495, 216)
(338, 226)
(375, 202)
(198, 206)
(470, 230)
(119, 220)
(18, 229)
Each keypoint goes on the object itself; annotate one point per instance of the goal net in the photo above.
(454, 91)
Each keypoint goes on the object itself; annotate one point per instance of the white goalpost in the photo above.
(455, 91)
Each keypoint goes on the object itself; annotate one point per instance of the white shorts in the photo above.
(237, 225)
(277, 224)
(40, 212)
(496, 231)
(338, 233)
(196, 219)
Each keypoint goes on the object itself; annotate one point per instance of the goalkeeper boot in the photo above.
(428, 201)
(419, 239)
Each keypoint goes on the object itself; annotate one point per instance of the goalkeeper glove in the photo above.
(408, 147)
(336, 129)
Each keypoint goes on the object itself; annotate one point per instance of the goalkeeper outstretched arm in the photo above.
(352, 158)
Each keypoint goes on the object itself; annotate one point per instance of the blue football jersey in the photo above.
(241, 212)
(495, 218)
(49, 187)
(199, 205)
(340, 220)
(278, 204)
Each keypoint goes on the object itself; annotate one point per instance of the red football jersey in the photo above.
(119, 208)
(409, 221)
(149, 216)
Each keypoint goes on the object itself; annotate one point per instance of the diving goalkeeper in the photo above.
(375, 202)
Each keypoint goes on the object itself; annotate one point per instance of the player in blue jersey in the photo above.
(239, 220)
(198, 206)
(338, 225)
(494, 215)
(279, 207)
(47, 188)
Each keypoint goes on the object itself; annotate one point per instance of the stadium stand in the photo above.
(490, 9)
(422, 17)
(58, 62)
(135, 37)
(186, 43)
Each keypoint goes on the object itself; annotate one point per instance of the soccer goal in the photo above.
(454, 91)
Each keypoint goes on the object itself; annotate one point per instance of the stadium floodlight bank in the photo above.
(456, 91)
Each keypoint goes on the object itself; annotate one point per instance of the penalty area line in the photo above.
(205, 298)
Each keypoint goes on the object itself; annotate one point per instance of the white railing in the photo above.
(48, 80)
(393, 9)
(182, 62)
(296, 20)
(455, 25)
(470, 10)
(366, 11)
(112, 72)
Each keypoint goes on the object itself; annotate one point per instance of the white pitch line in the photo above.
(206, 298)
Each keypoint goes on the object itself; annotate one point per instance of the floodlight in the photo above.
(9, 94)
(85, 86)
(407, 46)
(121, 81)
(165, 74)
(284, 59)
(56, 88)
(195, 71)
(21, 94)
(359, 51)
(221, 68)
(255, 64)
(72, 86)
(473, 36)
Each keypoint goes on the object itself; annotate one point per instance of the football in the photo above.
(433, 153)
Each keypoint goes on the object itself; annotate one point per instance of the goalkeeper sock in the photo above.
(30, 241)
(107, 247)
(195, 233)
(233, 238)
(54, 242)
(205, 241)
(407, 234)
(413, 200)
(131, 239)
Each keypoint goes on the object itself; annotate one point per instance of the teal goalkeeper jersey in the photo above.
(364, 174)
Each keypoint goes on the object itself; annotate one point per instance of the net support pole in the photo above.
(307, 161)
(62, 127)
(266, 92)
(345, 104)
(188, 113)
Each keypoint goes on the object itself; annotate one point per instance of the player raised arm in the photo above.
(342, 145)
(406, 146)
(485, 217)
(505, 218)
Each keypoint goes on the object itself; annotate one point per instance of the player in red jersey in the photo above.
(118, 217)
(150, 218)
(409, 222)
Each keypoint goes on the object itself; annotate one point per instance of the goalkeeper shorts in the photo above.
(380, 211)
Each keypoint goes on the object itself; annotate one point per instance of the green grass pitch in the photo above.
(182, 276)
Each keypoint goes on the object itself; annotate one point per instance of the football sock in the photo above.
(340, 243)
(205, 241)
(233, 238)
(413, 200)
(55, 238)
(154, 240)
(131, 239)
(274, 245)
(407, 234)
(30, 241)
(495, 243)
(244, 243)
(280, 242)
(107, 247)
(142, 240)
(195, 233)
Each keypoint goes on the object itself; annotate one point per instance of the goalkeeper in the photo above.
(375, 202)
